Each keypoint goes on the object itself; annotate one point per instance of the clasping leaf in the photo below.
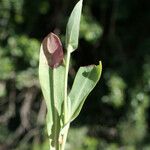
(85, 80)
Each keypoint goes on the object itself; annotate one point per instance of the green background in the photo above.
(116, 115)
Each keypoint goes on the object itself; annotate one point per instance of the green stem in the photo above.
(54, 147)
(66, 85)
(62, 146)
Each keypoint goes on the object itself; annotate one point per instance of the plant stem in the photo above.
(66, 85)
(56, 147)
(62, 146)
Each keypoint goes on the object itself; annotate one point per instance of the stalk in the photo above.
(66, 84)
(64, 138)
(62, 146)
(66, 91)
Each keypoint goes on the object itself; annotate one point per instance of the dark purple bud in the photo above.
(53, 50)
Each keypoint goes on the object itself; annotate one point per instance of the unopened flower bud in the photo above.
(53, 50)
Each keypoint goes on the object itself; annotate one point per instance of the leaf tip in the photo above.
(100, 64)
(100, 67)
(73, 26)
(81, 2)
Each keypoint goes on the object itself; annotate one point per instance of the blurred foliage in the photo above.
(87, 22)
(116, 115)
(116, 86)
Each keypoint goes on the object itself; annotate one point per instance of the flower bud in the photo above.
(53, 50)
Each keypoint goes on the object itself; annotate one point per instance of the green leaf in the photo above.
(73, 26)
(52, 84)
(85, 81)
